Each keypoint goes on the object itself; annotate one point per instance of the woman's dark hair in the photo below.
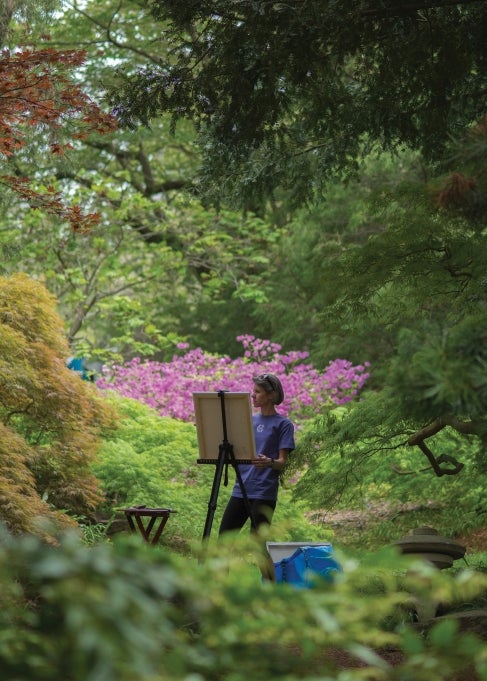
(270, 383)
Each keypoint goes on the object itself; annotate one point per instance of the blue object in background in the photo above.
(76, 364)
(306, 564)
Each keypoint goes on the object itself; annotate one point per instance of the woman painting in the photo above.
(274, 439)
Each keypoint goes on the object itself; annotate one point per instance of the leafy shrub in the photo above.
(50, 420)
(333, 473)
(125, 611)
(168, 386)
(151, 460)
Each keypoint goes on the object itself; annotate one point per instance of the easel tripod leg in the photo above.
(214, 496)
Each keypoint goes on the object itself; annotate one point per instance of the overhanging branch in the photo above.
(453, 465)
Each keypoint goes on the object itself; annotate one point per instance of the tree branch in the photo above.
(107, 28)
(443, 458)
(415, 6)
(464, 427)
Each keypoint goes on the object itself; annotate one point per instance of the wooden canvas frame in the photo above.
(209, 424)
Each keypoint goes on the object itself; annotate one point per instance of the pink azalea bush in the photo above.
(168, 386)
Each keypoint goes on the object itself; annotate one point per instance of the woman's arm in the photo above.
(279, 463)
(263, 461)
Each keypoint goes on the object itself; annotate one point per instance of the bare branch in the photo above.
(464, 427)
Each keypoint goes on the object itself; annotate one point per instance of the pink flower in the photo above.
(168, 386)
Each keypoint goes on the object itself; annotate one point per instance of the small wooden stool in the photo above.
(137, 513)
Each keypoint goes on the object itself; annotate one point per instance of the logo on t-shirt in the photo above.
(260, 428)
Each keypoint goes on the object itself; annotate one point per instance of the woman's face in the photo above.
(261, 398)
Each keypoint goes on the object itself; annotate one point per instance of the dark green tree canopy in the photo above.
(284, 94)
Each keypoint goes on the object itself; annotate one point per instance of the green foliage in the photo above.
(411, 298)
(89, 615)
(337, 467)
(299, 309)
(50, 420)
(155, 241)
(377, 273)
(202, 267)
(151, 460)
(287, 94)
(129, 612)
(16, 15)
(446, 374)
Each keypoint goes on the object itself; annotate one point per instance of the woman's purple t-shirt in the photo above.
(271, 433)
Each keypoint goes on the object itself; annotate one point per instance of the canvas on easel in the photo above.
(239, 425)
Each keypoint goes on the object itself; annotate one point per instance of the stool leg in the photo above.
(131, 522)
(162, 524)
(141, 527)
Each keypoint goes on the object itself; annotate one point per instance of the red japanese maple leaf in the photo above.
(37, 91)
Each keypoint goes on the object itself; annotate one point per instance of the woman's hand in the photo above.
(263, 461)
